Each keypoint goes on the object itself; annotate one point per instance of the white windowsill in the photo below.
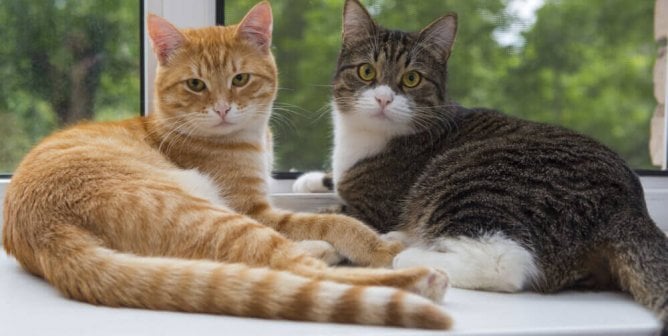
(26, 299)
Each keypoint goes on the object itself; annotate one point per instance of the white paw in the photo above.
(433, 286)
(322, 250)
(310, 183)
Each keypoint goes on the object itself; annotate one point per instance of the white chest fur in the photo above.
(197, 184)
(352, 144)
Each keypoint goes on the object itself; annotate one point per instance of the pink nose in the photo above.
(222, 110)
(384, 100)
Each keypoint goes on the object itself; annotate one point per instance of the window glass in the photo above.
(583, 64)
(62, 61)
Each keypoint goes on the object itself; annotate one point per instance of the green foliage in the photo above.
(62, 61)
(583, 64)
(587, 65)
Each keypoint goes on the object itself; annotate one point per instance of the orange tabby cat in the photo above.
(171, 211)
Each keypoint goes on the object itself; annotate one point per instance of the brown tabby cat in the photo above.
(500, 203)
(171, 211)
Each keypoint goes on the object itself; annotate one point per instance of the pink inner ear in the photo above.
(164, 36)
(257, 25)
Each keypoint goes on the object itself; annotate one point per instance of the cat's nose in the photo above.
(384, 99)
(222, 110)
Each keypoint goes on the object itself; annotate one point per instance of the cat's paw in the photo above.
(394, 236)
(383, 257)
(333, 209)
(312, 182)
(322, 250)
(432, 285)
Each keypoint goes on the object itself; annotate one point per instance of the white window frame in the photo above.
(202, 13)
(185, 14)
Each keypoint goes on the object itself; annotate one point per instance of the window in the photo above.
(586, 65)
(64, 61)
(583, 64)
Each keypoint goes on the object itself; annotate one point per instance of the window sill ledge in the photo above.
(26, 299)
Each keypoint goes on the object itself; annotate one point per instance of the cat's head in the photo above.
(388, 80)
(214, 81)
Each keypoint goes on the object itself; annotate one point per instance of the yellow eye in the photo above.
(366, 72)
(411, 79)
(196, 85)
(240, 79)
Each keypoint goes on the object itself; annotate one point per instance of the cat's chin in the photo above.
(381, 123)
(231, 131)
(224, 127)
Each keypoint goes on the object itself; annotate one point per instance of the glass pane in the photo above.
(62, 61)
(583, 64)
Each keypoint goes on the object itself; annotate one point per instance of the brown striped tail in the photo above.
(640, 263)
(87, 272)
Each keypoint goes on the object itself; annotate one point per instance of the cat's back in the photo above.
(530, 169)
(86, 144)
(87, 157)
(489, 138)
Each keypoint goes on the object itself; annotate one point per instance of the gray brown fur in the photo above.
(465, 172)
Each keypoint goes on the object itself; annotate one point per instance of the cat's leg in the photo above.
(400, 236)
(322, 250)
(429, 282)
(262, 246)
(200, 185)
(351, 238)
(235, 238)
(168, 221)
(490, 262)
(313, 182)
(76, 262)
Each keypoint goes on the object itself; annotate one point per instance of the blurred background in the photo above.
(583, 64)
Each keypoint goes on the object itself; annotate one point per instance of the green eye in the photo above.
(366, 72)
(411, 79)
(240, 79)
(196, 85)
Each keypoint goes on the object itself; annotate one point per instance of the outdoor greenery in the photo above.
(63, 61)
(583, 64)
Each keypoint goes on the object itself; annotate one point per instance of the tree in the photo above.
(64, 61)
(587, 65)
(583, 64)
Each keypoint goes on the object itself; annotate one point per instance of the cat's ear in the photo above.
(440, 34)
(257, 25)
(165, 38)
(357, 23)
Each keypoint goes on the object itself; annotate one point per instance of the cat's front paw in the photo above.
(384, 256)
(313, 182)
(432, 285)
(322, 250)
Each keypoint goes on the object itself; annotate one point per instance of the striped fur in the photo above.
(463, 184)
(171, 211)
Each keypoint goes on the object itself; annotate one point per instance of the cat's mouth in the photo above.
(223, 123)
(381, 114)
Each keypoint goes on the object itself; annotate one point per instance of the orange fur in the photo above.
(122, 213)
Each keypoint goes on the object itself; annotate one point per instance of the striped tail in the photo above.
(83, 270)
(640, 263)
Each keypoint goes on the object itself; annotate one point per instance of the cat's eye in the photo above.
(366, 72)
(411, 79)
(196, 85)
(240, 79)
